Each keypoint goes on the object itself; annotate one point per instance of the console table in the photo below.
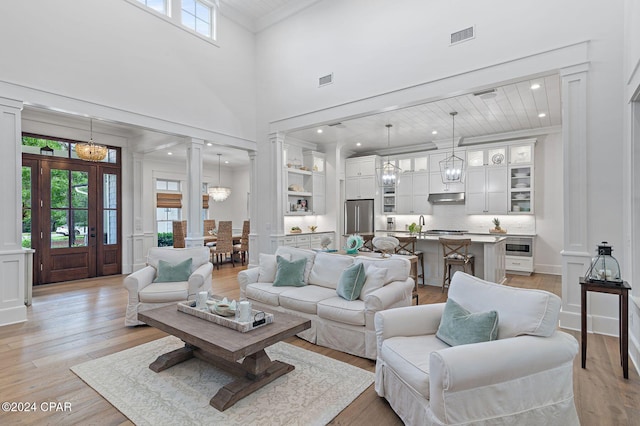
(622, 291)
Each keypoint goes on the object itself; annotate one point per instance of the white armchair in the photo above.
(525, 377)
(145, 294)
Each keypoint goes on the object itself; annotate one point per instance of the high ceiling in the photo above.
(511, 111)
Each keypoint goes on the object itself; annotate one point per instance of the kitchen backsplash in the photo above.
(454, 217)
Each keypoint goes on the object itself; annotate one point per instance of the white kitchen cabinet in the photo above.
(486, 181)
(519, 264)
(360, 182)
(306, 240)
(316, 239)
(319, 201)
(360, 187)
(361, 166)
(412, 194)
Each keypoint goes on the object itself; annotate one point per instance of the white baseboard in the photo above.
(13, 315)
(548, 269)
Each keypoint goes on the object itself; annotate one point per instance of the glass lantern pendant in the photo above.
(604, 267)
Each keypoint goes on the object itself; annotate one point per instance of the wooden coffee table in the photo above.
(223, 347)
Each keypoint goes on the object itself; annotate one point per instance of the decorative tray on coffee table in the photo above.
(258, 318)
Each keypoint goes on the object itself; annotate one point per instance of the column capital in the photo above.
(11, 103)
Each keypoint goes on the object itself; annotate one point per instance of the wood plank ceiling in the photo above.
(515, 109)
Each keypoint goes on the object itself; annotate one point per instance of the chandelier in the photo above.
(388, 172)
(219, 193)
(91, 151)
(452, 167)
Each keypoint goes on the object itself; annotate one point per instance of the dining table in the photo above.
(214, 238)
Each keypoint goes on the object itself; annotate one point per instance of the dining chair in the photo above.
(209, 226)
(179, 233)
(224, 245)
(243, 248)
(407, 246)
(455, 252)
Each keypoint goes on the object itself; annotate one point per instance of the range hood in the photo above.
(447, 198)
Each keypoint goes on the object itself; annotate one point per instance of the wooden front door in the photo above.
(69, 221)
(71, 214)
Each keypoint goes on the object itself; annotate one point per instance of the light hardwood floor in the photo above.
(73, 322)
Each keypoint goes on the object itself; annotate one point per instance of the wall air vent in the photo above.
(326, 79)
(463, 35)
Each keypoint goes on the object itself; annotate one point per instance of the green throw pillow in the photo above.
(289, 273)
(351, 282)
(460, 327)
(168, 273)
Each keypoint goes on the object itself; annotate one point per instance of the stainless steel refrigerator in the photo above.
(358, 217)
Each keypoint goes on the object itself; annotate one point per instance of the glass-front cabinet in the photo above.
(521, 179)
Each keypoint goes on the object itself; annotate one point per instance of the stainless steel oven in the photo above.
(519, 246)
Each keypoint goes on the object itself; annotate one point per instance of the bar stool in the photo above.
(408, 246)
(367, 243)
(455, 252)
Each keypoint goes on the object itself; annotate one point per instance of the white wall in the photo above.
(233, 208)
(117, 55)
(631, 269)
(375, 48)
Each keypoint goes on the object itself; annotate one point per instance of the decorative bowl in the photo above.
(521, 185)
(223, 309)
(520, 196)
(520, 175)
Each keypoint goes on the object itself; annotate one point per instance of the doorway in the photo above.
(71, 217)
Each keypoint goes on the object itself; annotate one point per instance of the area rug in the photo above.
(314, 393)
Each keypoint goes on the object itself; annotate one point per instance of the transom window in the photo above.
(198, 16)
(159, 6)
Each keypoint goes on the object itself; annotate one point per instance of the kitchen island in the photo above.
(489, 252)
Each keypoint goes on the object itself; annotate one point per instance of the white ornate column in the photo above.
(276, 149)
(575, 254)
(194, 189)
(13, 259)
(253, 210)
(138, 247)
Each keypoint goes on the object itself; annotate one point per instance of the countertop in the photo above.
(289, 234)
(509, 234)
(475, 238)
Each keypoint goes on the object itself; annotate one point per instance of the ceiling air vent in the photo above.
(463, 35)
(324, 80)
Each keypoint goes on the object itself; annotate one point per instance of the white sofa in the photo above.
(145, 294)
(525, 377)
(336, 323)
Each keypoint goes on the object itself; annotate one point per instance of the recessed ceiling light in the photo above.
(358, 144)
(535, 86)
(209, 144)
(319, 130)
(435, 132)
(226, 161)
(169, 153)
(542, 115)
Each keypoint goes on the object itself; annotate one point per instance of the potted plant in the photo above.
(413, 228)
(497, 229)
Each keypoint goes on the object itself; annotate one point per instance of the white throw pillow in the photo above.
(375, 278)
(397, 266)
(327, 268)
(268, 267)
